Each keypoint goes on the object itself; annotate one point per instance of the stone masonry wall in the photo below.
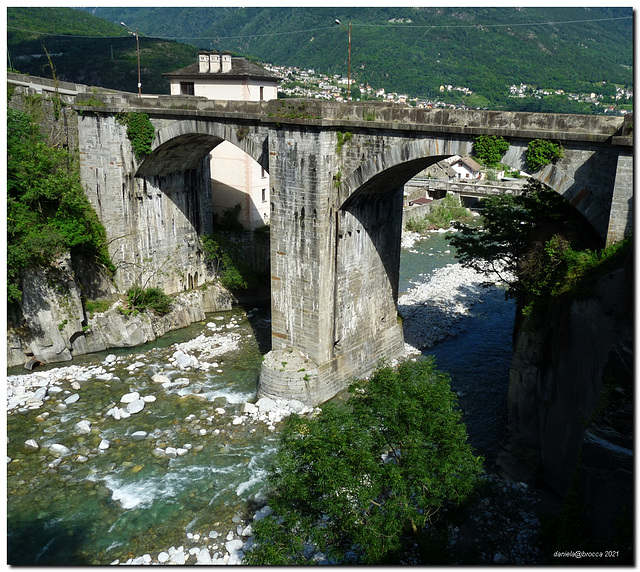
(152, 223)
(621, 217)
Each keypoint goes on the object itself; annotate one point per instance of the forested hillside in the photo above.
(416, 50)
(411, 50)
(86, 49)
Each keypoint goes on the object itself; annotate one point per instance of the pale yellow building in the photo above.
(235, 177)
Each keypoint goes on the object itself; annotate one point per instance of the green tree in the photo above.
(47, 211)
(541, 152)
(365, 476)
(490, 149)
(526, 241)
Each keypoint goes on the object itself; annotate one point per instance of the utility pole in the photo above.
(349, 72)
(138, 52)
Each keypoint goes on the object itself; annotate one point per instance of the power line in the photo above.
(402, 26)
(289, 32)
(548, 23)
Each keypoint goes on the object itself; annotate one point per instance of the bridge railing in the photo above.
(464, 186)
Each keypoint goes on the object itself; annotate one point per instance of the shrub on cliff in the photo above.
(537, 243)
(154, 299)
(367, 477)
(47, 211)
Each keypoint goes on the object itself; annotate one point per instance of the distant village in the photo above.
(298, 82)
(622, 94)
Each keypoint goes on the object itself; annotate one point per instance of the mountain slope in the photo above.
(86, 49)
(416, 50)
(412, 50)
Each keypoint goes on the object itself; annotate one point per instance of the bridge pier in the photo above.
(334, 272)
(336, 172)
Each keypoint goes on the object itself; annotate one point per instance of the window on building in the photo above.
(263, 173)
(261, 93)
(186, 88)
(264, 195)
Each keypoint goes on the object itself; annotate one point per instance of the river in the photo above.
(113, 493)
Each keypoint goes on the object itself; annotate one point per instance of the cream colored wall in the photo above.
(236, 177)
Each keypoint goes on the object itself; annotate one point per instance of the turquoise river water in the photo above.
(97, 506)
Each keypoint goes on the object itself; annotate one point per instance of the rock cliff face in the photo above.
(570, 399)
(51, 325)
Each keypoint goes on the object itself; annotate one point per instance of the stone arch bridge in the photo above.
(336, 175)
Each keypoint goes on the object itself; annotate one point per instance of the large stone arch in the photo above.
(369, 226)
(397, 164)
(182, 145)
(583, 177)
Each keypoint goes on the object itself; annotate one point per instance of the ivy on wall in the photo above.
(140, 131)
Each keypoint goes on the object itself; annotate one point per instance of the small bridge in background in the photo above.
(337, 173)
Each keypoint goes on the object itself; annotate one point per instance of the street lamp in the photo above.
(349, 76)
(138, 51)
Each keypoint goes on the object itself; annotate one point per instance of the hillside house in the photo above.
(466, 168)
(235, 177)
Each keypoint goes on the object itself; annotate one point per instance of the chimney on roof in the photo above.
(203, 63)
(214, 63)
(226, 63)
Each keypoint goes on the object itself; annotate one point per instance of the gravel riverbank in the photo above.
(432, 311)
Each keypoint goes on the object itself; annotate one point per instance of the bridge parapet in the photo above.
(323, 113)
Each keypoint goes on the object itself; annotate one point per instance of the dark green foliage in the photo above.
(48, 213)
(489, 149)
(440, 216)
(226, 256)
(228, 220)
(140, 131)
(154, 299)
(364, 476)
(90, 50)
(342, 139)
(537, 243)
(483, 48)
(541, 152)
(223, 249)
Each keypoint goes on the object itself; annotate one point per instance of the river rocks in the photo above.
(177, 556)
(31, 445)
(59, 450)
(72, 399)
(130, 397)
(266, 404)
(136, 406)
(163, 557)
(159, 378)
(432, 310)
(82, 427)
(203, 556)
(183, 360)
(158, 452)
(104, 444)
(138, 435)
(233, 545)
(271, 411)
(249, 408)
